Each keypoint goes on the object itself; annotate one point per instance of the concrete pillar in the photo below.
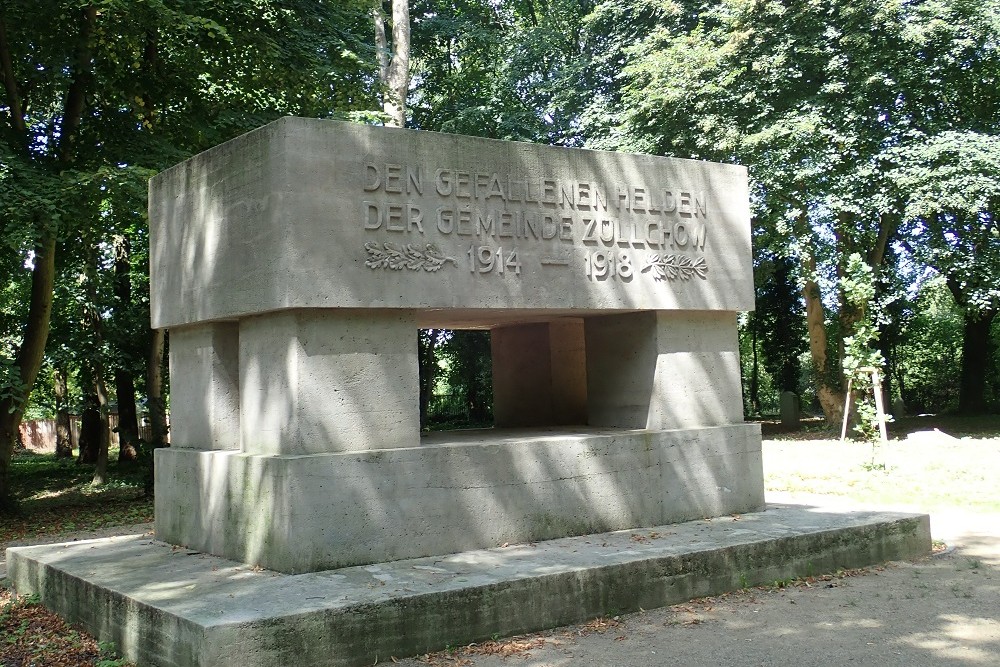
(204, 386)
(321, 381)
(663, 370)
(568, 360)
(539, 374)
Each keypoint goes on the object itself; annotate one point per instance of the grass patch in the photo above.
(932, 472)
(56, 496)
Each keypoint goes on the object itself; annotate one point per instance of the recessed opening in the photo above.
(456, 379)
(512, 375)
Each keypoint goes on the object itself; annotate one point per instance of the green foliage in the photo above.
(463, 392)
(930, 351)
(860, 354)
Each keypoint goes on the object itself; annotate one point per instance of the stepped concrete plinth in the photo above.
(169, 606)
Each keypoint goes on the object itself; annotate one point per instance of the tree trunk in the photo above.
(975, 362)
(154, 388)
(128, 419)
(154, 403)
(36, 331)
(90, 424)
(828, 390)
(64, 431)
(29, 356)
(104, 434)
(128, 424)
(394, 68)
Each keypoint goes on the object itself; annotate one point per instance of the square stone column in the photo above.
(539, 374)
(204, 386)
(323, 381)
(663, 370)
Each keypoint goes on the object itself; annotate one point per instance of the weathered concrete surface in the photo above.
(451, 492)
(298, 214)
(167, 606)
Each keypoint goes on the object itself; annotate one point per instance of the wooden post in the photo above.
(847, 409)
(879, 409)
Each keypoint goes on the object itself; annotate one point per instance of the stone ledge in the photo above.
(456, 492)
(163, 605)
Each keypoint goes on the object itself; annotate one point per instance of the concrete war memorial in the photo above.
(300, 513)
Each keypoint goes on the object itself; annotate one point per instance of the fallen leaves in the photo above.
(32, 635)
(505, 648)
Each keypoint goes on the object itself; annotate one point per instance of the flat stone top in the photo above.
(213, 591)
(308, 213)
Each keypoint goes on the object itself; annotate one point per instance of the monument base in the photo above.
(164, 606)
(457, 491)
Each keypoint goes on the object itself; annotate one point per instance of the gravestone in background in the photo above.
(293, 267)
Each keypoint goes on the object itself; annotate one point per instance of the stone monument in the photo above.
(293, 267)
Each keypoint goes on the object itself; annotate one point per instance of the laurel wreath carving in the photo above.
(673, 267)
(405, 256)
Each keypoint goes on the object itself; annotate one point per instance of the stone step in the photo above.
(164, 605)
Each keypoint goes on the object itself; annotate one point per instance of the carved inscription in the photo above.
(502, 214)
(399, 257)
(672, 267)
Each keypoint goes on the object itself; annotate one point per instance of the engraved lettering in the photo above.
(462, 182)
(414, 180)
(465, 226)
(654, 233)
(699, 203)
(622, 197)
(583, 195)
(668, 201)
(480, 182)
(505, 229)
(684, 206)
(530, 223)
(511, 196)
(442, 182)
(495, 189)
(638, 199)
(445, 220)
(698, 235)
(372, 215)
(567, 196)
(607, 231)
(393, 178)
(549, 191)
(600, 199)
(566, 229)
(485, 224)
(415, 218)
(590, 230)
(680, 234)
(550, 228)
(372, 177)
(652, 206)
(394, 218)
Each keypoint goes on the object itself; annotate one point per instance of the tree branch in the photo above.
(77, 93)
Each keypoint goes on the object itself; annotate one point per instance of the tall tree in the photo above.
(96, 96)
(814, 97)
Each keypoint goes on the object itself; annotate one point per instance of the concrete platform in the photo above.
(164, 605)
